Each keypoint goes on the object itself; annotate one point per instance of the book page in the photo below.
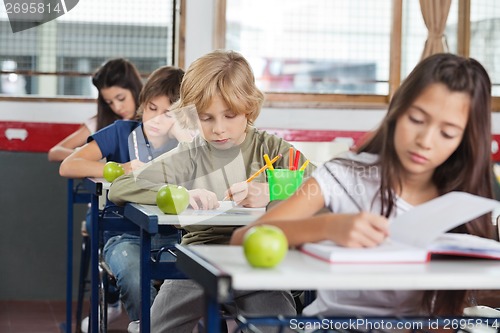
(423, 224)
(464, 244)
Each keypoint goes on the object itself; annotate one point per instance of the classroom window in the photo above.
(322, 46)
(57, 58)
(337, 52)
(485, 38)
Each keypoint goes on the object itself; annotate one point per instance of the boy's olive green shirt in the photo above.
(199, 165)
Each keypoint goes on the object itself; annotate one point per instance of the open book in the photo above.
(420, 232)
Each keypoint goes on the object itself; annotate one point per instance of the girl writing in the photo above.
(434, 139)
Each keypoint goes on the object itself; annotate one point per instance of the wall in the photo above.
(33, 237)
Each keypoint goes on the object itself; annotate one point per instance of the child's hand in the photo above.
(359, 230)
(135, 164)
(128, 167)
(251, 194)
(203, 199)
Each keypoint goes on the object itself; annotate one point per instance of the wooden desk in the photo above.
(221, 269)
(150, 219)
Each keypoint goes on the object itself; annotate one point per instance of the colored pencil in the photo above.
(297, 158)
(256, 174)
(304, 166)
(268, 162)
(261, 170)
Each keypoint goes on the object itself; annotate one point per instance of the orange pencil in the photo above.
(290, 158)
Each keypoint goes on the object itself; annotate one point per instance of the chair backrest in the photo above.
(320, 152)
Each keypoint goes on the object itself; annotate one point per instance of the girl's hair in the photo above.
(120, 73)
(226, 74)
(164, 81)
(468, 169)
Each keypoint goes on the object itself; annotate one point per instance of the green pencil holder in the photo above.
(283, 182)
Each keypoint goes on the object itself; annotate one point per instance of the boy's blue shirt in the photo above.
(116, 144)
(113, 140)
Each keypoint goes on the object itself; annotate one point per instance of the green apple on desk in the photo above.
(265, 246)
(172, 199)
(112, 170)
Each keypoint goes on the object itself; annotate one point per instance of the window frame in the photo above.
(294, 100)
(356, 101)
(179, 32)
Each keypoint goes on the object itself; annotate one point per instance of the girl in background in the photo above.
(119, 84)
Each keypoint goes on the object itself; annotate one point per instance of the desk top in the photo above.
(96, 185)
(149, 217)
(228, 214)
(301, 272)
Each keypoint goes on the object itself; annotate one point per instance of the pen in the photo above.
(290, 158)
(256, 174)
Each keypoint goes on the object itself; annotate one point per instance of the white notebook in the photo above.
(420, 232)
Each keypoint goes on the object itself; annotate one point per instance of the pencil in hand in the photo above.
(256, 174)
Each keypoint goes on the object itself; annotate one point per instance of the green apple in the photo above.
(172, 199)
(265, 246)
(112, 170)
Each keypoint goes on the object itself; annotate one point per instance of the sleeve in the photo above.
(141, 186)
(91, 124)
(324, 180)
(128, 188)
(107, 139)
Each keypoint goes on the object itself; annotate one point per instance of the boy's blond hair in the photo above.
(226, 74)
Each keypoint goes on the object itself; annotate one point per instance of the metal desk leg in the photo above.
(69, 260)
(94, 263)
(145, 321)
(212, 315)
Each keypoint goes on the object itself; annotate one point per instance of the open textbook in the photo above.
(420, 232)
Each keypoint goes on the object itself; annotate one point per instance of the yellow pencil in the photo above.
(268, 162)
(304, 166)
(261, 170)
(256, 174)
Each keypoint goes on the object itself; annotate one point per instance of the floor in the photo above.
(43, 317)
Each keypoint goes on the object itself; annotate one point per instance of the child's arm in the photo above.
(68, 145)
(142, 185)
(84, 162)
(295, 216)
